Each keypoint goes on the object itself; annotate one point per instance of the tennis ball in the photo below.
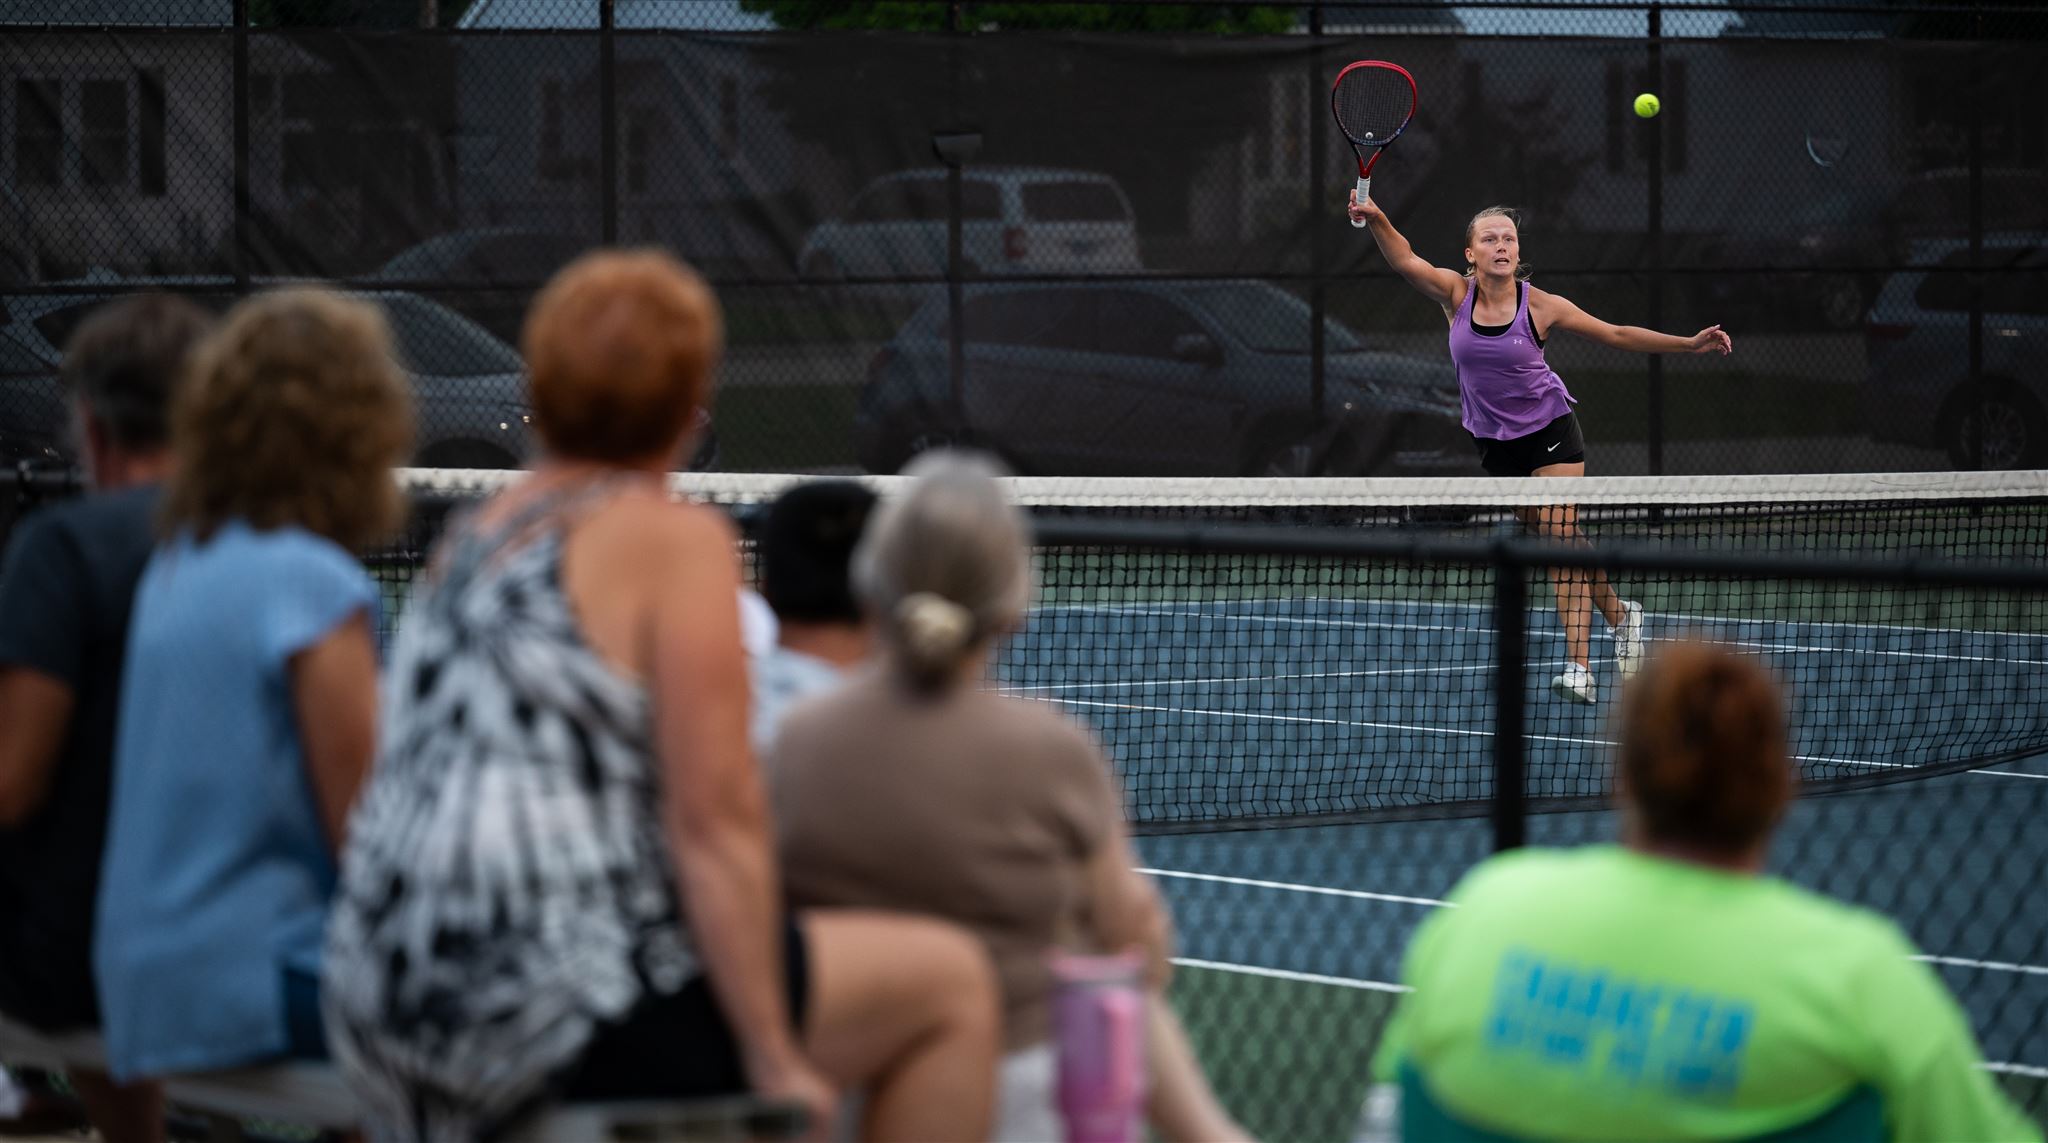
(1647, 105)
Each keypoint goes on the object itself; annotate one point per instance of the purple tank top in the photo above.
(1507, 389)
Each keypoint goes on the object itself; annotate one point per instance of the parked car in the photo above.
(469, 386)
(1917, 339)
(1013, 220)
(1144, 378)
(488, 275)
(33, 420)
(1834, 250)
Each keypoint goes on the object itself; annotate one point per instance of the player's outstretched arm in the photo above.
(1555, 313)
(1435, 283)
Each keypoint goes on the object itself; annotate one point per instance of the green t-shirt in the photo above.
(1602, 994)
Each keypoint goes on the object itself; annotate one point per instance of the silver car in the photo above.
(1014, 220)
(1157, 378)
(1917, 340)
(469, 387)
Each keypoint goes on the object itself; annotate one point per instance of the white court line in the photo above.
(1387, 986)
(1347, 601)
(1243, 679)
(1321, 890)
(1284, 974)
(1796, 648)
(1575, 740)
(1986, 965)
(1434, 903)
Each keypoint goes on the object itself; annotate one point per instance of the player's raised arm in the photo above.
(1435, 283)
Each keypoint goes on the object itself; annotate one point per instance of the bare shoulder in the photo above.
(658, 537)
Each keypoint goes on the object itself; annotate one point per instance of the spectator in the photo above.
(562, 882)
(1665, 988)
(805, 546)
(249, 708)
(65, 594)
(913, 788)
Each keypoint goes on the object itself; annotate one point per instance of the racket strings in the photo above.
(1372, 104)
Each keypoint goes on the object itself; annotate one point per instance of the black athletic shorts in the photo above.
(1558, 442)
(679, 1046)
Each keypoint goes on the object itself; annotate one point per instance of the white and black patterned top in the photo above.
(506, 885)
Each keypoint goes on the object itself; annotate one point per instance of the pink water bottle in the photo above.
(1098, 1014)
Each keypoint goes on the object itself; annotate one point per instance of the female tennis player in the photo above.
(1516, 406)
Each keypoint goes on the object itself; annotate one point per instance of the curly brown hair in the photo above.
(620, 347)
(294, 413)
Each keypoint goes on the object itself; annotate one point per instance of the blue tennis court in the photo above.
(1291, 938)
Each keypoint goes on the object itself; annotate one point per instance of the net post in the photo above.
(607, 121)
(1510, 670)
(239, 80)
(1975, 381)
(1319, 263)
(1655, 411)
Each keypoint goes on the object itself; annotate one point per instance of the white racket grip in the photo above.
(1364, 192)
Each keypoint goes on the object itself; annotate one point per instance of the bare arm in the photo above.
(1126, 911)
(713, 809)
(35, 711)
(334, 696)
(1555, 313)
(1444, 287)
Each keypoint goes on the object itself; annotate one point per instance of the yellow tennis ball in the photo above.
(1647, 105)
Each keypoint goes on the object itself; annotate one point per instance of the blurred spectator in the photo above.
(65, 593)
(248, 714)
(913, 788)
(561, 882)
(804, 549)
(1665, 988)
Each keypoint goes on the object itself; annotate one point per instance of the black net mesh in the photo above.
(1823, 184)
(1297, 683)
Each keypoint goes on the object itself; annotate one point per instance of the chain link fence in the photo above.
(1095, 238)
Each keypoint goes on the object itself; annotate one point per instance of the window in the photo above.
(149, 132)
(1268, 320)
(728, 116)
(1947, 288)
(305, 150)
(639, 146)
(979, 201)
(437, 341)
(551, 157)
(57, 325)
(38, 132)
(1035, 319)
(1140, 325)
(1073, 202)
(103, 133)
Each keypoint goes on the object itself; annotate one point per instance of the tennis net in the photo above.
(1259, 652)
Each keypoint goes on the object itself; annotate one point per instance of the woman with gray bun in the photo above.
(916, 788)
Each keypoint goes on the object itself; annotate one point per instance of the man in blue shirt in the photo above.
(66, 587)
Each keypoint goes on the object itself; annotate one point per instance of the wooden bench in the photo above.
(308, 1094)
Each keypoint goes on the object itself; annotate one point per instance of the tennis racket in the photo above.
(1372, 101)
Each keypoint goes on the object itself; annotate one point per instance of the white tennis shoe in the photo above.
(1628, 640)
(1575, 684)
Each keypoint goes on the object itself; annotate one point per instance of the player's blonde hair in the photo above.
(1472, 228)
